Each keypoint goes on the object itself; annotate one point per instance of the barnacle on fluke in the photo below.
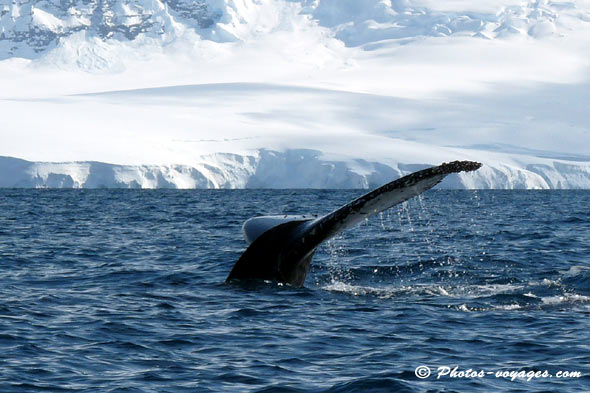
(458, 166)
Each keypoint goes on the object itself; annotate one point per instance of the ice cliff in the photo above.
(271, 169)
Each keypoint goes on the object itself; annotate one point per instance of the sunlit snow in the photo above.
(300, 93)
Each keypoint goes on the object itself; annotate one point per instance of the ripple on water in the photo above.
(123, 291)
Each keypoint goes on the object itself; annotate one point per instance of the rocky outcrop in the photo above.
(28, 27)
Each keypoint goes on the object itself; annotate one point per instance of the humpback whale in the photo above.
(281, 247)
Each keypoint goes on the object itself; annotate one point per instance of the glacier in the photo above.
(293, 93)
(288, 169)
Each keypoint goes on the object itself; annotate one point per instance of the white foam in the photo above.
(476, 291)
(468, 291)
(574, 271)
(508, 307)
(567, 298)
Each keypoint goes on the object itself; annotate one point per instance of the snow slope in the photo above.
(300, 93)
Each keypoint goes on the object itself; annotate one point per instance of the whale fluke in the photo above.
(281, 247)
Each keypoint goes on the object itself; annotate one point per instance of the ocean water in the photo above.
(123, 291)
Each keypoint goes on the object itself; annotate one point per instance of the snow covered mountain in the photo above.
(292, 93)
(30, 27)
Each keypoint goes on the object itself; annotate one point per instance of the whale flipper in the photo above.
(282, 247)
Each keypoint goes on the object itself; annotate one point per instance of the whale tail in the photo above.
(281, 247)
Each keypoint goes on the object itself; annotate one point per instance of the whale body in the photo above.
(281, 247)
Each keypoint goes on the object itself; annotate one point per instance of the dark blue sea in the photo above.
(124, 291)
